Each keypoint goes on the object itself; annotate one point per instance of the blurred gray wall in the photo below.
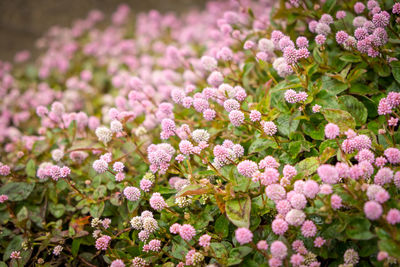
(23, 21)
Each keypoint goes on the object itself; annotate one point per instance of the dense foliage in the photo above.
(250, 133)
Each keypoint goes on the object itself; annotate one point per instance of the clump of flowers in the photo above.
(213, 137)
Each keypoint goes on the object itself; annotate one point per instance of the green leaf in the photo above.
(355, 108)
(390, 247)
(22, 214)
(219, 249)
(236, 255)
(314, 131)
(287, 124)
(358, 229)
(75, 246)
(261, 144)
(341, 118)
(347, 57)
(56, 209)
(14, 245)
(97, 209)
(31, 168)
(362, 89)
(17, 191)
(238, 211)
(222, 226)
(247, 68)
(396, 70)
(308, 166)
(132, 205)
(332, 86)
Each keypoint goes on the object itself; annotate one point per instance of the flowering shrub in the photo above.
(250, 133)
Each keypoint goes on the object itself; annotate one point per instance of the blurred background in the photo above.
(24, 21)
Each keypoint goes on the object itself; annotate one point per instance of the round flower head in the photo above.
(393, 216)
(117, 263)
(351, 257)
(308, 229)
(295, 217)
(373, 210)
(262, 245)
(103, 242)
(296, 259)
(328, 174)
(204, 240)
(132, 193)
(104, 134)
(247, 168)
(100, 166)
(298, 201)
(279, 226)
(278, 250)
(340, 14)
(275, 192)
(157, 202)
(243, 235)
(255, 115)
(319, 242)
(336, 202)
(393, 155)
(331, 131)
(269, 128)
(187, 232)
(359, 7)
(236, 117)
(310, 189)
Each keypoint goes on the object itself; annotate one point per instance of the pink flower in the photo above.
(289, 171)
(262, 245)
(336, 202)
(103, 242)
(373, 210)
(236, 117)
(316, 108)
(295, 217)
(209, 114)
(117, 263)
(255, 115)
(146, 185)
(269, 128)
(154, 245)
(278, 250)
(393, 155)
(247, 168)
(396, 8)
(393, 216)
(187, 232)
(243, 235)
(275, 192)
(382, 255)
(319, 242)
(359, 7)
(296, 259)
(186, 147)
(204, 240)
(383, 176)
(331, 131)
(308, 229)
(3, 198)
(310, 189)
(328, 174)
(157, 202)
(175, 228)
(132, 193)
(340, 14)
(298, 201)
(4, 170)
(279, 226)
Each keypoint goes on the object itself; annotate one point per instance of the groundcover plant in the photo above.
(250, 133)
